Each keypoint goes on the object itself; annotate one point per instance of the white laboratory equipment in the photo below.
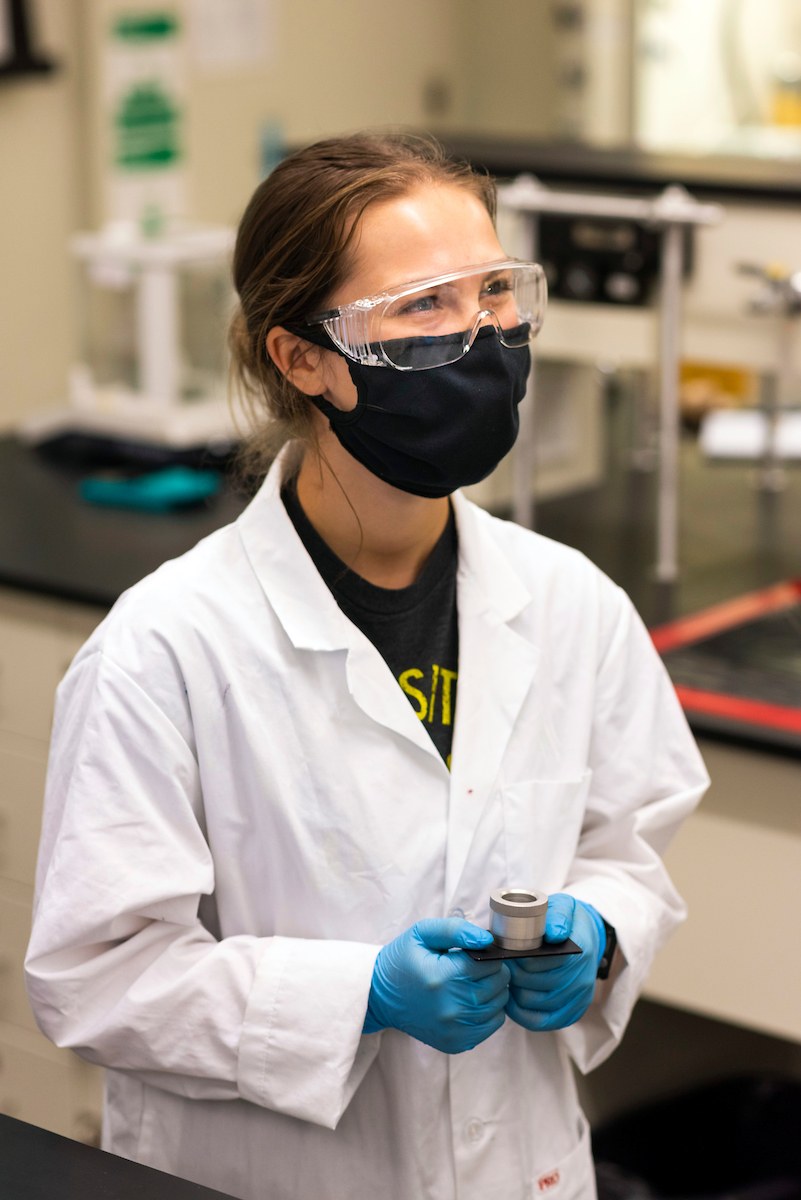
(152, 364)
(771, 433)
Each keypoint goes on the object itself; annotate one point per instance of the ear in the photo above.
(298, 360)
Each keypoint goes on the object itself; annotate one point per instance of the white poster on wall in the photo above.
(145, 101)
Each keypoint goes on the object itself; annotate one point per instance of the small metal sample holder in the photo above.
(517, 923)
(517, 918)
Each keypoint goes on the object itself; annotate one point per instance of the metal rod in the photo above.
(524, 455)
(669, 421)
(157, 334)
(775, 397)
(673, 206)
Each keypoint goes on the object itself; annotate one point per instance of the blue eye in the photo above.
(417, 304)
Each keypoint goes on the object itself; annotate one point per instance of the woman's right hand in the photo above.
(425, 986)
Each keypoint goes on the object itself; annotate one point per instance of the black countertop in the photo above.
(39, 1165)
(54, 543)
(732, 539)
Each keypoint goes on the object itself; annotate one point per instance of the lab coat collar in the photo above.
(488, 581)
(311, 617)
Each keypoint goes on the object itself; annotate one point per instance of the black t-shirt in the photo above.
(415, 628)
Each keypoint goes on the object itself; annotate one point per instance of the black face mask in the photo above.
(431, 432)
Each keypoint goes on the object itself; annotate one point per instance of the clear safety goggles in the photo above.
(432, 322)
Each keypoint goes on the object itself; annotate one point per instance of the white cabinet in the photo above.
(39, 1083)
(737, 863)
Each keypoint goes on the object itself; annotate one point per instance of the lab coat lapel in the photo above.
(378, 694)
(496, 671)
(311, 617)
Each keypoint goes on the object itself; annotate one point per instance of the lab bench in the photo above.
(737, 860)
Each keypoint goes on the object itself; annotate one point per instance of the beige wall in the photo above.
(40, 204)
(507, 66)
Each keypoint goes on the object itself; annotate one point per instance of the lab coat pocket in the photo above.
(542, 822)
(573, 1177)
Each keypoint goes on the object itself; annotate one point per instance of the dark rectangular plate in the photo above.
(546, 950)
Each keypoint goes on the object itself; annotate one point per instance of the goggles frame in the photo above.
(347, 325)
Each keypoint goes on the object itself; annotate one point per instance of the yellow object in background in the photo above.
(706, 386)
(786, 107)
(785, 101)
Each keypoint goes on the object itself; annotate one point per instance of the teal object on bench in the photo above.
(154, 491)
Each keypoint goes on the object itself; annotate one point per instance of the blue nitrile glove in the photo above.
(152, 491)
(446, 1000)
(550, 993)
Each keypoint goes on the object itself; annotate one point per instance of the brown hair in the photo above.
(293, 249)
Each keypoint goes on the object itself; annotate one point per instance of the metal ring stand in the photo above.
(669, 213)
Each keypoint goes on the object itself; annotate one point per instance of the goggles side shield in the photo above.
(433, 322)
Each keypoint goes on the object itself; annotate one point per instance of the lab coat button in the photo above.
(456, 912)
(474, 1129)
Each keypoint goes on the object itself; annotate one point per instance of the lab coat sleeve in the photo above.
(647, 777)
(119, 966)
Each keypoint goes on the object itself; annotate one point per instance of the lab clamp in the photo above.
(517, 923)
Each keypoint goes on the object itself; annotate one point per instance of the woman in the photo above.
(272, 828)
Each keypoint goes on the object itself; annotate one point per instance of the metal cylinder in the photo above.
(517, 918)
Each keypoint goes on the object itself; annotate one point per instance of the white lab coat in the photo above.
(242, 807)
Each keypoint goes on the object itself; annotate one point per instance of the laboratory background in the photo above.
(648, 154)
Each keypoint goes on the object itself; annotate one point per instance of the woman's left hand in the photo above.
(550, 993)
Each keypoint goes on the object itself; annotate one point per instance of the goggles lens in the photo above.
(434, 322)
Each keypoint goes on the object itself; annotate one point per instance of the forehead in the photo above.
(430, 230)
